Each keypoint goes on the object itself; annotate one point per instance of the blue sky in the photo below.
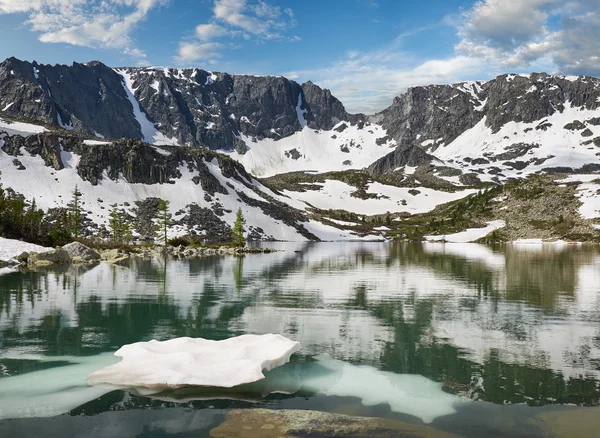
(365, 51)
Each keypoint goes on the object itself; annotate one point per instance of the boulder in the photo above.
(53, 257)
(22, 258)
(264, 423)
(81, 253)
(569, 423)
(115, 256)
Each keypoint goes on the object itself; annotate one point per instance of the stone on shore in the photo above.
(115, 256)
(49, 258)
(81, 253)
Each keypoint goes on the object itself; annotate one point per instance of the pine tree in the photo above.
(75, 210)
(126, 233)
(237, 233)
(32, 222)
(119, 226)
(114, 223)
(164, 220)
(59, 234)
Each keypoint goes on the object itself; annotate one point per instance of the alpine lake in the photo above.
(470, 340)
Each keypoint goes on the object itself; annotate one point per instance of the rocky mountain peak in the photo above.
(192, 107)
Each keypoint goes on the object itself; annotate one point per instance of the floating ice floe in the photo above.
(61, 388)
(185, 362)
(410, 394)
(52, 391)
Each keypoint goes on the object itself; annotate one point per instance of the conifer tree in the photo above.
(75, 211)
(237, 233)
(126, 233)
(164, 220)
(119, 226)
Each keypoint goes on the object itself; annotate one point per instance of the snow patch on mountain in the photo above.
(470, 234)
(336, 195)
(149, 131)
(342, 148)
(550, 144)
(587, 193)
(20, 128)
(301, 113)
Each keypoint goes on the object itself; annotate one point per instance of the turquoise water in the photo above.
(470, 339)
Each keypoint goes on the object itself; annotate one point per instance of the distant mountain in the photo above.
(433, 144)
(189, 107)
(544, 117)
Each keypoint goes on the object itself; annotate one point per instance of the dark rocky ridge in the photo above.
(192, 106)
(440, 113)
(217, 110)
(88, 97)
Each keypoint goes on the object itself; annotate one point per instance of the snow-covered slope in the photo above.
(344, 147)
(519, 148)
(19, 128)
(204, 180)
(149, 132)
(336, 195)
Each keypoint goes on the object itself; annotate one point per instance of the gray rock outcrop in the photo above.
(80, 252)
(48, 258)
(193, 107)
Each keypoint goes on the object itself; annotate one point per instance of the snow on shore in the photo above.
(469, 235)
(10, 248)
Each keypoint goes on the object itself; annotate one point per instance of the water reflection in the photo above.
(516, 324)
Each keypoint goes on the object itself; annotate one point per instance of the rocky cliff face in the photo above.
(86, 98)
(512, 123)
(190, 107)
(433, 117)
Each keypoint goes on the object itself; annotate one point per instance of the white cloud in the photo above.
(368, 82)
(257, 20)
(261, 19)
(206, 32)
(506, 24)
(195, 51)
(90, 23)
(520, 34)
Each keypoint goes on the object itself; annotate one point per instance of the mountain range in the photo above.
(289, 154)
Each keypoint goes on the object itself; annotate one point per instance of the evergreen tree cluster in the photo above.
(22, 219)
(119, 225)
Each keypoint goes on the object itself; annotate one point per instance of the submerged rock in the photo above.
(22, 258)
(185, 362)
(263, 423)
(571, 423)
